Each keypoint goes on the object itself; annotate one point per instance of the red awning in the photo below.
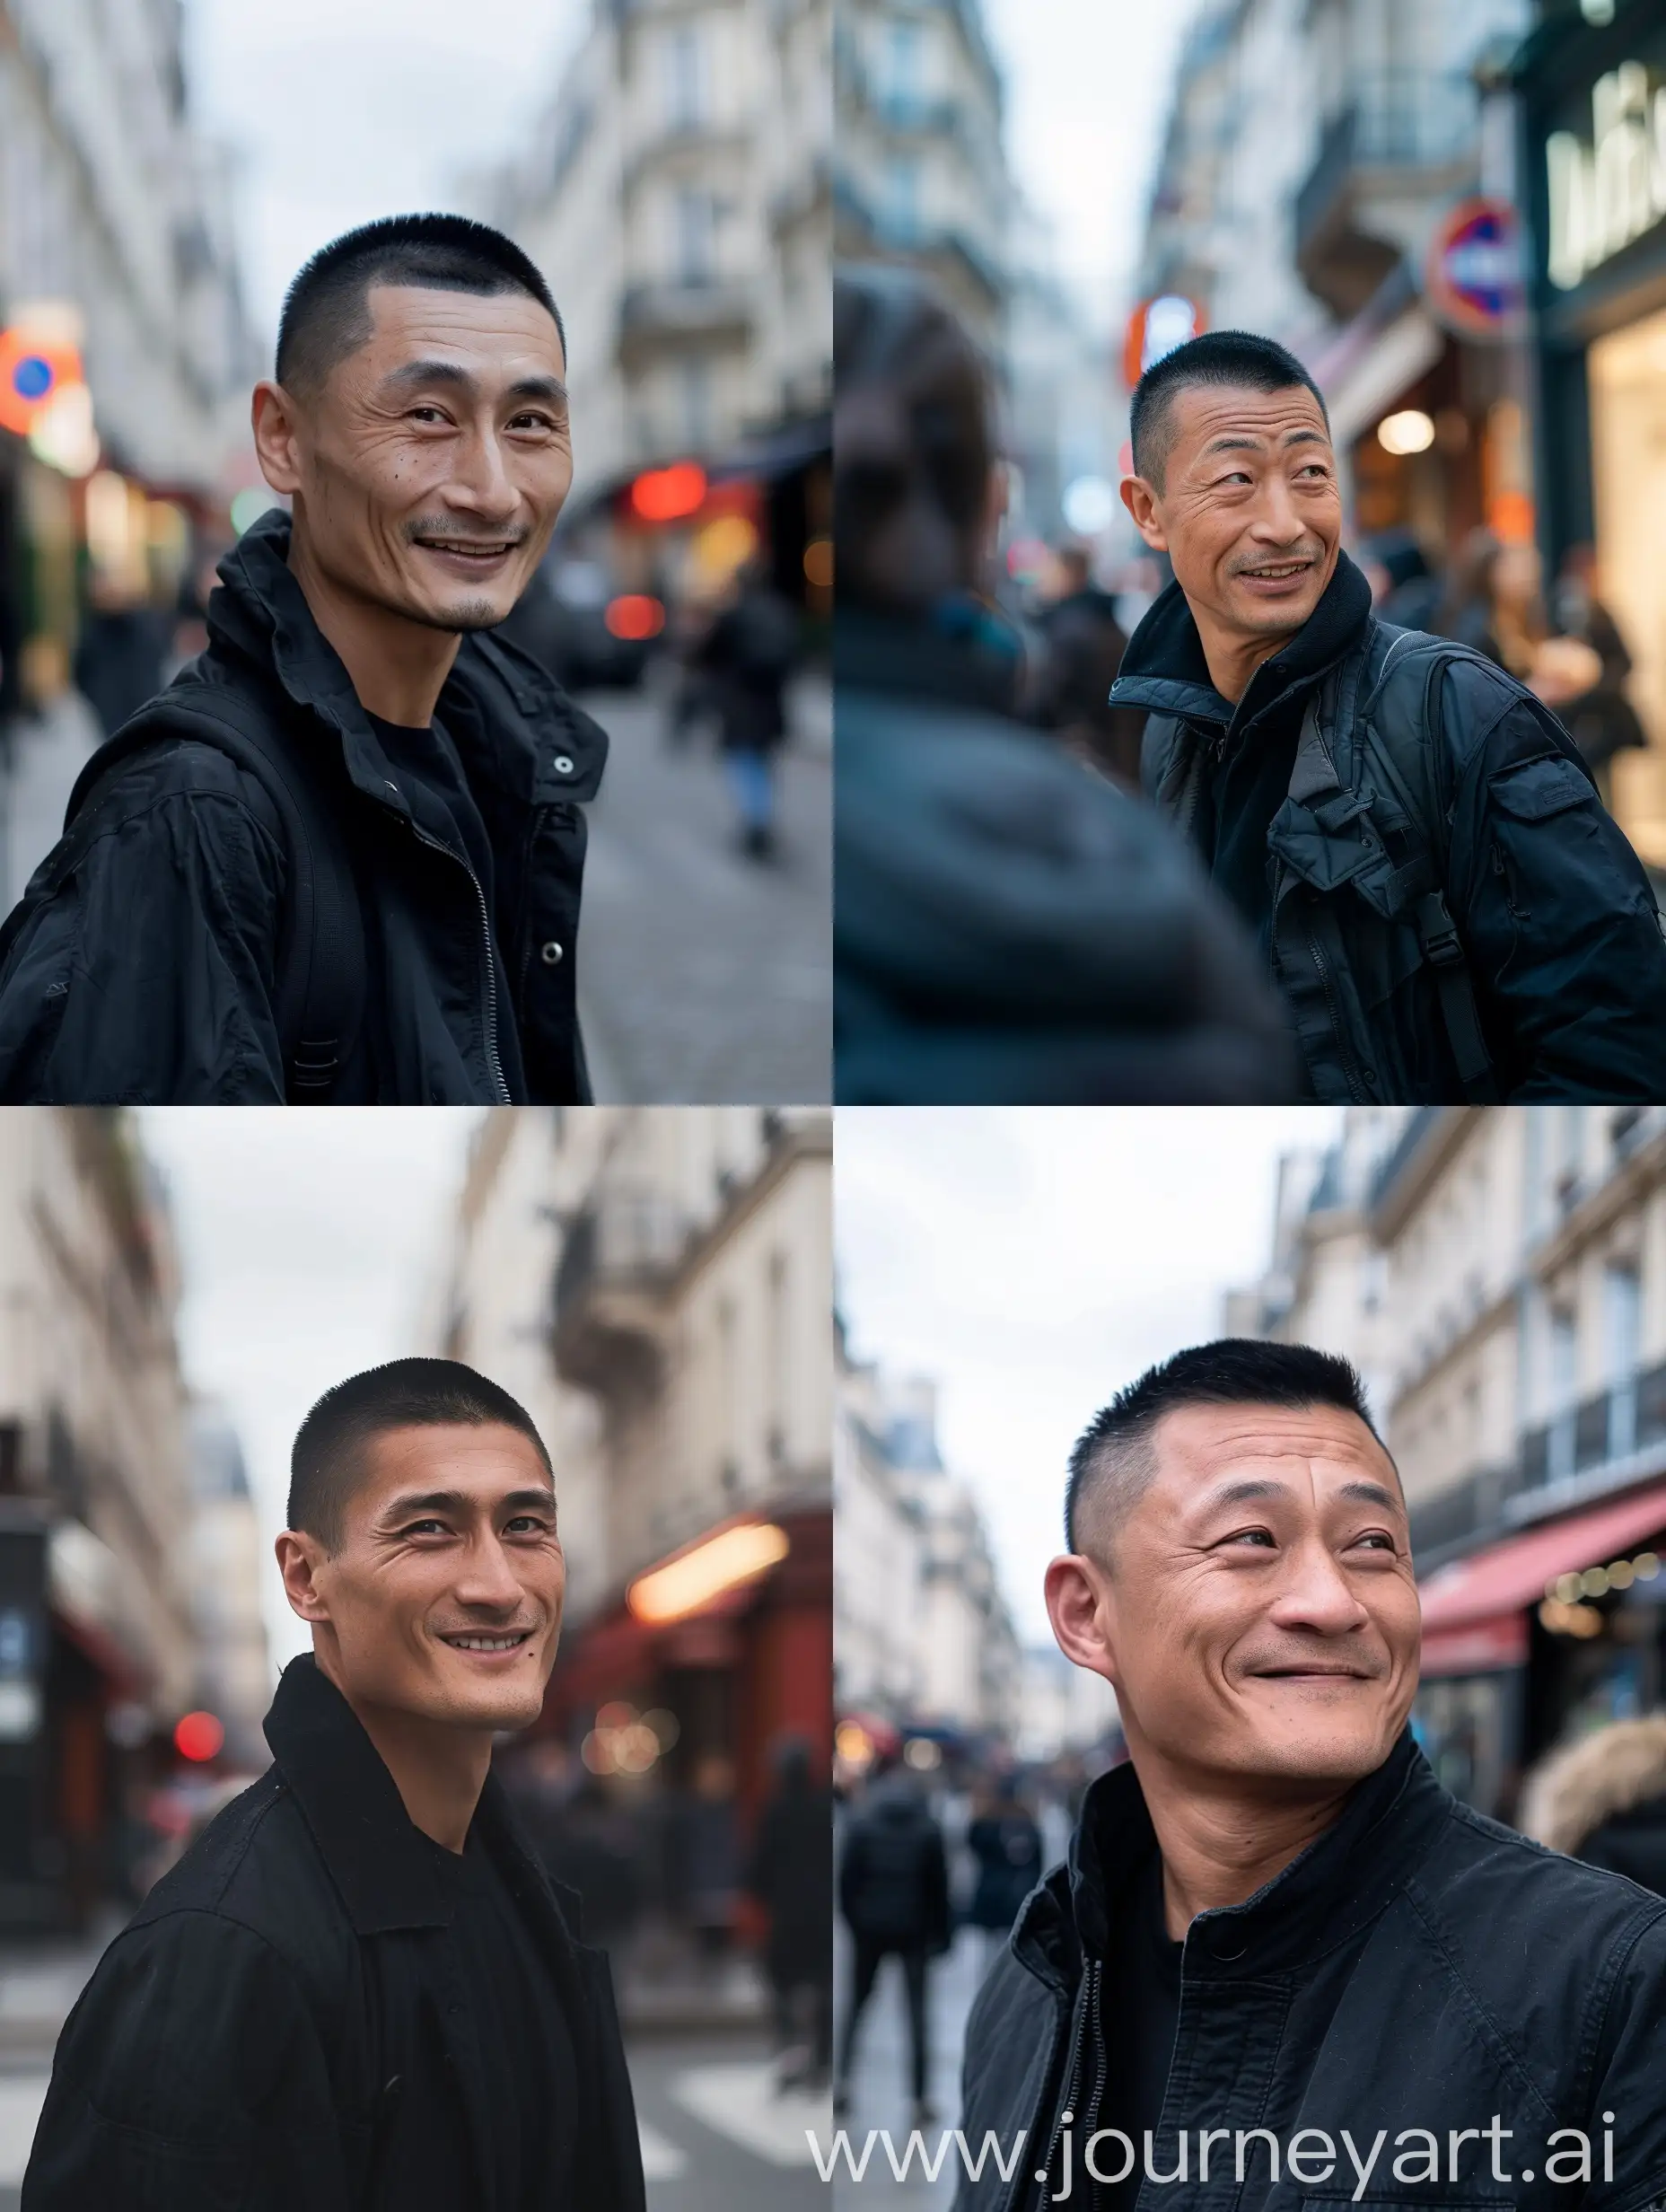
(1508, 1578)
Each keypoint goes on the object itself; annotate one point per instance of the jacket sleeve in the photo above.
(189, 2078)
(146, 975)
(1557, 916)
(1627, 2108)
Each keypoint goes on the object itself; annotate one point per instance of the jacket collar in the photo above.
(1164, 671)
(961, 655)
(514, 724)
(1333, 1889)
(380, 1861)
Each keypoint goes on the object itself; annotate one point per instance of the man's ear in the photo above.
(299, 1557)
(1141, 502)
(1082, 1610)
(273, 420)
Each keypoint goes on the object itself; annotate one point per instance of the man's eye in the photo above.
(526, 1524)
(1253, 1536)
(532, 422)
(426, 415)
(1380, 1537)
(424, 1528)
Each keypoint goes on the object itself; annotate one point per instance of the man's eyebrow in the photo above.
(1237, 443)
(413, 374)
(411, 1502)
(1252, 1486)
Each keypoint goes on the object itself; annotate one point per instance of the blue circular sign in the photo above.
(31, 379)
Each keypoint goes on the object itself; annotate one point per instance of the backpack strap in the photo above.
(1425, 805)
(321, 980)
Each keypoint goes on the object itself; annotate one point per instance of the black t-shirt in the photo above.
(526, 2044)
(443, 806)
(1240, 798)
(1140, 2008)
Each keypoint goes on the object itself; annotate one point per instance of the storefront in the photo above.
(1593, 113)
(1538, 1638)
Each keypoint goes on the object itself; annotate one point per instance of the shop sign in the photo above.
(1606, 194)
(1155, 327)
(1472, 276)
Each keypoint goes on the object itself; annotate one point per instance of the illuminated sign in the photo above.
(1155, 327)
(33, 369)
(1472, 273)
(1605, 195)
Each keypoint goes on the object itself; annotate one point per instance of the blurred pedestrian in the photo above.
(1491, 601)
(1004, 1839)
(339, 860)
(747, 657)
(893, 1892)
(1411, 591)
(791, 1875)
(357, 1987)
(1604, 1800)
(1410, 835)
(707, 1862)
(1083, 648)
(1008, 928)
(1588, 692)
(120, 654)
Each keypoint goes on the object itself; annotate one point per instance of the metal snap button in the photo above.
(564, 764)
(550, 954)
(1226, 1948)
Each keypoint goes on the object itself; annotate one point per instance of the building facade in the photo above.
(98, 1658)
(652, 1285)
(921, 179)
(923, 1638)
(1500, 1273)
(234, 1670)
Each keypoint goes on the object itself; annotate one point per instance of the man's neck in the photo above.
(1233, 660)
(1220, 1845)
(439, 1772)
(397, 667)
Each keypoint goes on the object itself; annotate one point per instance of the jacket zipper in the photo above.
(1355, 1089)
(1069, 2104)
(495, 1064)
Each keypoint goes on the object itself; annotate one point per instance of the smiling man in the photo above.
(339, 859)
(1448, 911)
(1276, 1928)
(358, 1989)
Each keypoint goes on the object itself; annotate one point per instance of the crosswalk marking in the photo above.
(741, 2100)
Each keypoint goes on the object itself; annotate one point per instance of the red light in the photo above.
(667, 494)
(198, 1736)
(635, 616)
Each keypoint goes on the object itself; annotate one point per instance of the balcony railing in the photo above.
(1608, 1429)
(616, 1259)
(681, 307)
(1399, 119)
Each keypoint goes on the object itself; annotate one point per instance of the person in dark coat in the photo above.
(1083, 648)
(1411, 836)
(893, 1892)
(745, 658)
(1009, 927)
(358, 1990)
(1599, 717)
(791, 1875)
(1282, 1958)
(419, 425)
(118, 654)
(1004, 1838)
(1604, 1800)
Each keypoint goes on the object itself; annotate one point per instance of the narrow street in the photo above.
(703, 975)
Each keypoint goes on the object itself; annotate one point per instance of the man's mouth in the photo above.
(1277, 572)
(511, 1640)
(464, 550)
(1280, 1674)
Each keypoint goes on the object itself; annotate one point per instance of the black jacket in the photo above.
(1009, 928)
(1551, 907)
(1417, 1967)
(285, 2025)
(149, 976)
(893, 1875)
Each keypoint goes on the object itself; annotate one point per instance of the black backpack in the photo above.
(320, 984)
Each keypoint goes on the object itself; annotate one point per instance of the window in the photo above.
(1622, 1317)
(694, 378)
(900, 74)
(902, 200)
(1563, 1385)
(684, 77)
(694, 226)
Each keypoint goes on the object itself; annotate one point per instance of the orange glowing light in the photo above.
(198, 1736)
(683, 1585)
(635, 616)
(33, 369)
(668, 495)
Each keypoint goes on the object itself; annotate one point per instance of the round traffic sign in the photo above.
(1472, 275)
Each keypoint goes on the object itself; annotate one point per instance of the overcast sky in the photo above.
(346, 110)
(1088, 85)
(1035, 1262)
(308, 1243)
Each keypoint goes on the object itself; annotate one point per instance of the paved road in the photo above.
(704, 976)
(881, 2084)
(47, 753)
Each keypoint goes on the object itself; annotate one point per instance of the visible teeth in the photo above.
(485, 1643)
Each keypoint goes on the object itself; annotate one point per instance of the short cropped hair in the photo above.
(327, 312)
(1221, 358)
(327, 1462)
(1114, 1459)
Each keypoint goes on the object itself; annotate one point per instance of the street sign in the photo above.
(1473, 272)
(33, 369)
(1155, 327)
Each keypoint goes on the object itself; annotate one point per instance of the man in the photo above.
(341, 858)
(1084, 646)
(1447, 909)
(1276, 1930)
(893, 1891)
(1008, 928)
(359, 1990)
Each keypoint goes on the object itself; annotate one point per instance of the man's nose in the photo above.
(1316, 1593)
(489, 1575)
(1276, 518)
(483, 473)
